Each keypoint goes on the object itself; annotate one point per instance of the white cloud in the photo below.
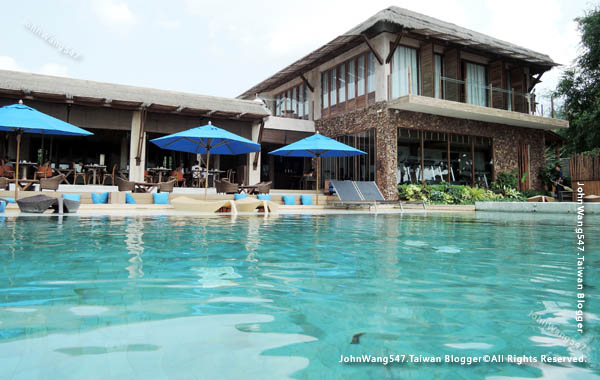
(54, 69)
(169, 24)
(113, 13)
(9, 63)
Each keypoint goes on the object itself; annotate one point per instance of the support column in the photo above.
(136, 172)
(254, 174)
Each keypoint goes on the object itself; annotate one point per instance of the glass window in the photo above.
(305, 101)
(278, 104)
(409, 156)
(333, 83)
(437, 86)
(357, 168)
(342, 81)
(435, 157)
(360, 75)
(371, 73)
(351, 79)
(404, 62)
(509, 95)
(483, 161)
(325, 89)
(294, 101)
(301, 101)
(461, 161)
(475, 84)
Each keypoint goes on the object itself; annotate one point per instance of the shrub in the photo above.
(447, 193)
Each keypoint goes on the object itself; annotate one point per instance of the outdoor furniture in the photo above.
(94, 170)
(78, 172)
(176, 175)
(356, 193)
(51, 183)
(166, 187)
(44, 171)
(26, 184)
(36, 204)
(144, 187)
(24, 172)
(158, 172)
(125, 185)
(263, 187)
(226, 187)
(7, 171)
(110, 175)
(69, 206)
(4, 182)
(65, 173)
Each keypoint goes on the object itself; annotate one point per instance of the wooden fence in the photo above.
(586, 169)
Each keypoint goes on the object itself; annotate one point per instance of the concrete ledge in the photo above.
(547, 207)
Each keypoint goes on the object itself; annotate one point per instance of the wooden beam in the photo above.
(311, 88)
(140, 145)
(536, 80)
(375, 53)
(395, 45)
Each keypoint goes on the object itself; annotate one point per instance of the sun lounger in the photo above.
(358, 193)
(36, 204)
(189, 204)
(249, 204)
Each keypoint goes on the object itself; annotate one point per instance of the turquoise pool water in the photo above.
(284, 297)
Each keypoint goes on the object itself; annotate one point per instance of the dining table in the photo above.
(24, 168)
(65, 173)
(160, 172)
(26, 184)
(95, 168)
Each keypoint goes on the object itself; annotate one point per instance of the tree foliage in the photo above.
(580, 87)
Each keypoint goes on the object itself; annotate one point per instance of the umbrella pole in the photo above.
(318, 170)
(206, 178)
(17, 166)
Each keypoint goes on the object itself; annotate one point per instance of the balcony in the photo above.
(459, 99)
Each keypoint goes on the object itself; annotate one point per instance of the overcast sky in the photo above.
(223, 48)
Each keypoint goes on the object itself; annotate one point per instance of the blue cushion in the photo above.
(289, 200)
(264, 197)
(161, 198)
(129, 199)
(9, 200)
(72, 197)
(239, 196)
(306, 199)
(2, 206)
(99, 198)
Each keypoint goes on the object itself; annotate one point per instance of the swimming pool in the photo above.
(290, 296)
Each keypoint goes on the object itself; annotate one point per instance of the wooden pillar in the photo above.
(136, 172)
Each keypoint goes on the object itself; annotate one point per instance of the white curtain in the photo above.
(404, 58)
(437, 76)
(476, 84)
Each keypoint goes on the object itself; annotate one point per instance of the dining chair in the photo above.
(79, 172)
(110, 175)
(44, 171)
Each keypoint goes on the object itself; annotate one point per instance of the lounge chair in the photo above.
(51, 183)
(189, 204)
(249, 204)
(124, 185)
(69, 206)
(36, 204)
(357, 193)
(263, 187)
(224, 186)
(167, 187)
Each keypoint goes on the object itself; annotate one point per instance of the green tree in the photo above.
(580, 88)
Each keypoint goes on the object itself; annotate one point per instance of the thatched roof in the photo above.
(393, 19)
(58, 89)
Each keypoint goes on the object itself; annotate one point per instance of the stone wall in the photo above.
(387, 121)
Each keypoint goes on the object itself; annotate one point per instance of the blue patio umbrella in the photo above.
(207, 139)
(20, 119)
(317, 146)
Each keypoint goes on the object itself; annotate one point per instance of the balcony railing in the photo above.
(464, 91)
